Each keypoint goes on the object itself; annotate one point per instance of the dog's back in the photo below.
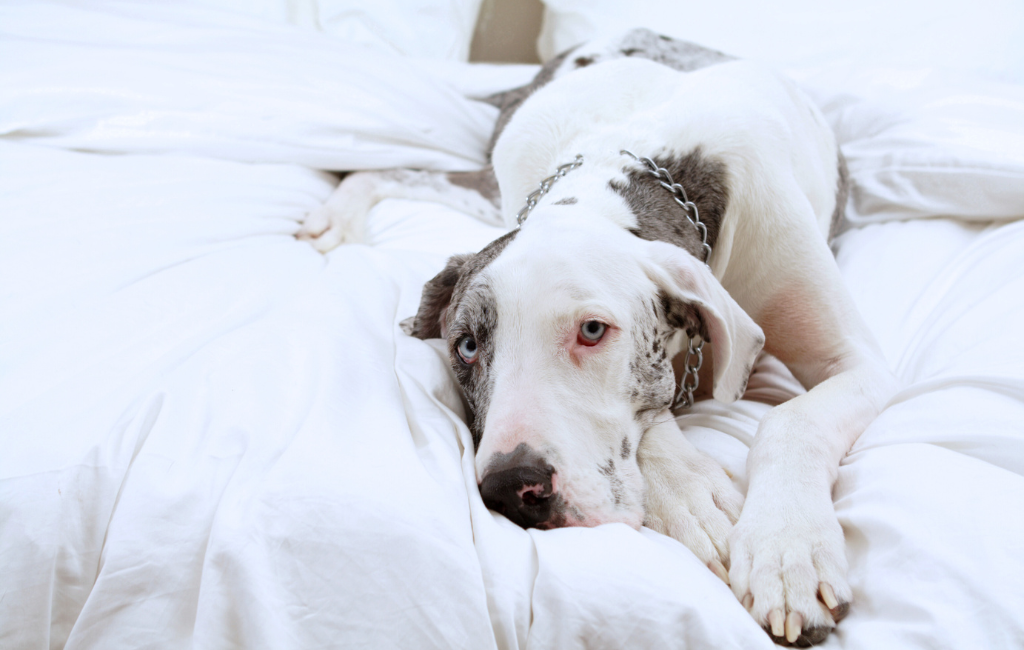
(639, 43)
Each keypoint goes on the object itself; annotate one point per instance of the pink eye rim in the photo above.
(591, 332)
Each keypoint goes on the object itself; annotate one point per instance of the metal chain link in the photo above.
(691, 379)
(545, 186)
(679, 194)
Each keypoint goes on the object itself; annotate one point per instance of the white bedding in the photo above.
(213, 436)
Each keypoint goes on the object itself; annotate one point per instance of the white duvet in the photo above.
(213, 436)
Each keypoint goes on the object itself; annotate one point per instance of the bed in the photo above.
(213, 436)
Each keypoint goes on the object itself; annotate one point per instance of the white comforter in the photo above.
(213, 436)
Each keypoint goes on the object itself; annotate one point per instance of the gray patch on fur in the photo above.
(626, 449)
(569, 200)
(679, 55)
(842, 194)
(466, 308)
(659, 217)
(676, 54)
(436, 296)
(682, 315)
(746, 379)
(576, 513)
(483, 182)
(652, 385)
(476, 316)
(614, 482)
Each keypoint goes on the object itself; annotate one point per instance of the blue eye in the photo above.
(592, 331)
(467, 349)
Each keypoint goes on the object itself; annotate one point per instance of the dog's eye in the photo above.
(467, 349)
(591, 332)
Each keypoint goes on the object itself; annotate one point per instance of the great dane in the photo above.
(663, 199)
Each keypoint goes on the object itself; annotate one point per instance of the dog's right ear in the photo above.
(736, 337)
(431, 318)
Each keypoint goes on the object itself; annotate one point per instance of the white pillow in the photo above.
(924, 143)
(171, 78)
(433, 29)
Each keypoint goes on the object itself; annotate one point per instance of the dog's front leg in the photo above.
(788, 553)
(688, 496)
(342, 218)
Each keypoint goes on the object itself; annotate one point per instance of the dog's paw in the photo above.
(789, 571)
(693, 501)
(327, 228)
(342, 218)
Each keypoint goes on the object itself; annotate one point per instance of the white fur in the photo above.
(772, 258)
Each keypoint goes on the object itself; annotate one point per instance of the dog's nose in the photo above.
(519, 486)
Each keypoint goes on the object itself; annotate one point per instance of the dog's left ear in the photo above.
(696, 301)
(431, 320)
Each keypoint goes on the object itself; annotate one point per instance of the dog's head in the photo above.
(561, 335)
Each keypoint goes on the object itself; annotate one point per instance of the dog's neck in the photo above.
(612, 188)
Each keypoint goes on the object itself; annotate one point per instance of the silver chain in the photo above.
(691, 378)
(545, 187)
(679, 194)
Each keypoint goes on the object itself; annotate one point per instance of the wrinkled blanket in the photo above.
(213, 436)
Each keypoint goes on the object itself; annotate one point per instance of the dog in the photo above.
(663, 199)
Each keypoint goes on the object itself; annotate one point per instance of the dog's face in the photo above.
(561, 336)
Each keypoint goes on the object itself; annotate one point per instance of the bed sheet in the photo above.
(214, 436)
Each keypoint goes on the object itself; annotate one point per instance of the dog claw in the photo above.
(777, 621)
(839, 613)
(794, 623)
(828, 596)
(719, 570)
(748, 601)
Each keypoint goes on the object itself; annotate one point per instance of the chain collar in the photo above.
(694, 355)
(545, 187)
(679, 194)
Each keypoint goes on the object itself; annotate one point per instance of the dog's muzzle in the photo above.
(521, 486)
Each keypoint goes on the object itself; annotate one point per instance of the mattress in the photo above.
(214, 436)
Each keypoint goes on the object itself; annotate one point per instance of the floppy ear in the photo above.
(431, 318)
(696, 301)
